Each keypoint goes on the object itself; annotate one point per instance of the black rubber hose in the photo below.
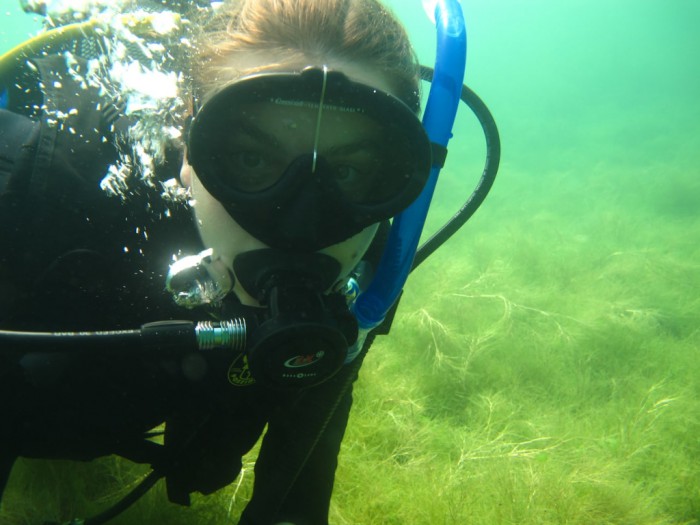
(493, 157)
(61, 341)
(159, 336)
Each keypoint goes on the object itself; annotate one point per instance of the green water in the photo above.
(543, 365)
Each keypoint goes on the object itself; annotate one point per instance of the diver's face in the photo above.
(286, 136)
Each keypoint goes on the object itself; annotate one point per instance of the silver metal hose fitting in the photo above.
(229, 334)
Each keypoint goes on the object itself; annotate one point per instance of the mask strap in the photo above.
(318, 118)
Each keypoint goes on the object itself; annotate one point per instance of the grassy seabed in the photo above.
(546, 375)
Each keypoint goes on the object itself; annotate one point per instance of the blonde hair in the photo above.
(357, 31)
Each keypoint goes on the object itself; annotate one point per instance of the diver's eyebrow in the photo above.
(262, 136)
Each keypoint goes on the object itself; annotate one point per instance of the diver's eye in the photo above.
(249, 170)
(247, 160)
(355, 180)
(347, 175)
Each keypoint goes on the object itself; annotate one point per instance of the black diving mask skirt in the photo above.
(305, 160)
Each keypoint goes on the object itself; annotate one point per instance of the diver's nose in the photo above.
(303, 221)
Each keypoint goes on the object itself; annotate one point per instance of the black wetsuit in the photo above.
(73, 258)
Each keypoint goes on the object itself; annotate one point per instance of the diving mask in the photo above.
(305, 160)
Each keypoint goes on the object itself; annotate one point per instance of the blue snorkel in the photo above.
(371, 306)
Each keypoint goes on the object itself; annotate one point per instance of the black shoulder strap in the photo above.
(74, 149)
(18, 138)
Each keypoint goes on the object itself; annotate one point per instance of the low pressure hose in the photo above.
(162, 336)
(488, 176)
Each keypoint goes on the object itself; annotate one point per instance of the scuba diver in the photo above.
(260, 250)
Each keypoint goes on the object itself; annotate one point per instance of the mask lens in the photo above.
(374, 151)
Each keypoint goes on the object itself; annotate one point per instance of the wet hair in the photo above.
(358, 31)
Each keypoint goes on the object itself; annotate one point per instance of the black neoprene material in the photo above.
(17, 133)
